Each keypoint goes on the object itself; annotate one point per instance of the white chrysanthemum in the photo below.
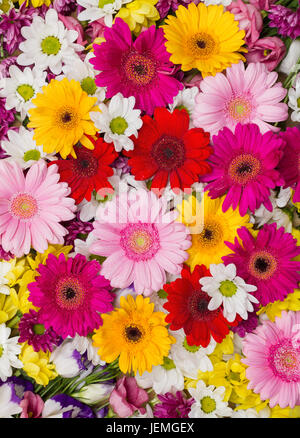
(217, 2)
(95, 9)
(209, 402)
(9, 403)
(185, 99)
(22, 148)
(5, 267)
(294, 100)
(83, 72)
(48, 43)
(263, 216)
(20, 87)
(163, 378)
(226, 288)
(119, 120)
(9, 350)
(190, 359)
(84, 344)
(252, 413)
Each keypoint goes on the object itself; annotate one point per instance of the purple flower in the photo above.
(76, 408)
(173, 406)
(286, 21)
(64, 7)
(6, 117)
(3, 254)
(11, 25)
(122, 164)
(247, 325)
(76, 227)
(163, 6)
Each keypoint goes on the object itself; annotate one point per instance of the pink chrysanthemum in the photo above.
(141, 69)
(71, 295)
(266, 262)
(140, 240)
(273, 358)
(243, 166)
(289, 166)
(32, 207)
(243, 95)
(34, 332)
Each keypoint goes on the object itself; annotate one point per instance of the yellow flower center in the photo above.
(201, 45)
(88, 85)
(118, 125)
(50, 45)
(67, 117)
(208, 404)
(227, 288)
(102, 3)
(32, 154)
(26, 91)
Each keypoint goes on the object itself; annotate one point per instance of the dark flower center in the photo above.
(198, 306)
(133, 333)
(66, 117)
(201, 44)
(261, 264)
(69, 293)
(244, 168)
(168, 152)
(86, 165)
(138, 69)
(207, 234)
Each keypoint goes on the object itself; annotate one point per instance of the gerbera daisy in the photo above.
(289, 166)
(167, 149)
(273, 359)
(209, 402)
(266, 262)
(62, 117)
(141, 241)
(89, 171)
(188, 309)
(70, 294)
(244, 95)
(141, 69)
(32, 207)
(243, 167)
(204, 37)
(210, 228)
(135, 334)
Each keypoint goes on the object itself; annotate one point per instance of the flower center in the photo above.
(208, 404)
(262, 265)
(168, 152)
(26, 91)
(201, 45)
(88, 85)
(67, 118)
(50, 45)
(168, 364)
(1, 350)
(86, 165)
(39, 329)
(139, 70)
(239, 109)
(190, 348)
(211, 234)
(133, 333)
(244, 168)
(284, 360)
(23, 206)
(118, 125)
(140, 241)
(298, 102)
(102, 3)
(198, 306)
(69, 293)
(33, 154)
(227, 288)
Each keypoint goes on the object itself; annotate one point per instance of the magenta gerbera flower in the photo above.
(273, 358)
(266, 262)
(32, 207)
(71, 295)
(289, 166)
(243, 166)
(141, 241)
(244, 95)
(141, 68)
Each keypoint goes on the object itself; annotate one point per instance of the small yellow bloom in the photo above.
(278, 412)
(37, 365)
(139, 14)
(8, 306)
(291, 302)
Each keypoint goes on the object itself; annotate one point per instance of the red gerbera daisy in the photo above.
(188, 309)
(167, 148)
(89, 171)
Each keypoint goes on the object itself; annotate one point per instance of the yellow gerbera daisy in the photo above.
(210, 227)
(62, 117)
(135, 334)
(204, 37)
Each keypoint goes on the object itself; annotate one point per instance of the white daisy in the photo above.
(20, 87)
(95, 9)
(5, 267)
(9, 350)
(185, 99)
(22, 148)
(9, 402)
(191, 359)
(226, 288)
(119, 120)
(163, 378)
(294, 100)
(209, 402)
(85, 344)
(263, 216)
(48, 43)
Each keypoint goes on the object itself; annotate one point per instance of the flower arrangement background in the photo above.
(149, 208)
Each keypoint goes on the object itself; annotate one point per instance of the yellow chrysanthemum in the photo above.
(5, 6)
(204, 37)
(61, 117)
(8, 306)
(134, 333)
(226, 347)
(37, 365)
(291, 302)
(139, 14)
(296, 234)
(36, 3)
(210, 228)
(278, 412)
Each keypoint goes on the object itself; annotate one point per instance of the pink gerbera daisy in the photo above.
(243, 95)
(32, 207)
(71, 295)
(273, 358)
(243, 166)
(140, 240)
(289, 166)
(141, 69)
(266, 262)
